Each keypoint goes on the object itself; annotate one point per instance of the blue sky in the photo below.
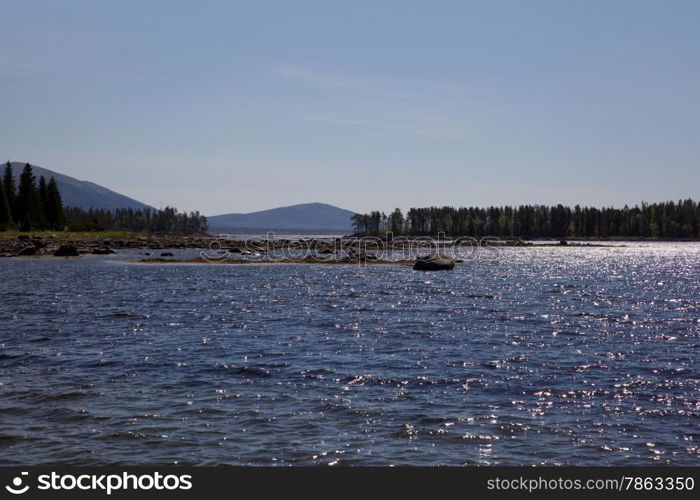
(242, 106)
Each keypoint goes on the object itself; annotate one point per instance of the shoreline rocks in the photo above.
(13, 244)
(66, 251)
(30, 250)
(434, 262)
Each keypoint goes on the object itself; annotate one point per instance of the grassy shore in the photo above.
(71, 235)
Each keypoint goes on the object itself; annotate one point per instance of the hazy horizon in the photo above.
(238, 107)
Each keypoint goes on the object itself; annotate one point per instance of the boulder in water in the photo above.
(66, 251)
(103, 251)
(31, 250)
(434, 262)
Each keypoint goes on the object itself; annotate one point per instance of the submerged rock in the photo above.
(434, 262)
(66, 251)
(167, 254)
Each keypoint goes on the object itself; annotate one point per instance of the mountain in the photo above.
(81, 194)
(318, 218)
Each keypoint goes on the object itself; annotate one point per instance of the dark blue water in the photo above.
(540, 356)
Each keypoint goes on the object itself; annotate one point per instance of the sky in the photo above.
(226, 106)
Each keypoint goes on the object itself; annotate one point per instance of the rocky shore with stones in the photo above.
(59, 245)
(317, 249)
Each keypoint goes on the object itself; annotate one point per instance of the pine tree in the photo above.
(28, 202)
(8, 181)
(5, 212)
(396, 221)
(43, 202)
(54, 214)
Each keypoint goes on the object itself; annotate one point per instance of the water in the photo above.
(542, 356)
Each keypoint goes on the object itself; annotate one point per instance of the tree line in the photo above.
(669, 219)
(29, 206)
(165, 221)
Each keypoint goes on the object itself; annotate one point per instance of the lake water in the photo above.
(532, 356)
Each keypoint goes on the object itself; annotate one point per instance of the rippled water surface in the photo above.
(540, 356)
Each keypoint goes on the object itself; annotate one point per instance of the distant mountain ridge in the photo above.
(305, 218)
(82, 194)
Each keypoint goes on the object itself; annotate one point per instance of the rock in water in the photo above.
(167, 254)
(434, 262)
(66, 251)
(103, 251)
(28, 251)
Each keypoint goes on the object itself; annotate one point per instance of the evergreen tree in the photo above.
(43, 202)
(28, 202)
(8, 181)
(396, 221)
(5, 211)
(54, 206)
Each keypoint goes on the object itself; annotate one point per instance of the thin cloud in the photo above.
(367, 124)
(384, 96)
(430, 128)
(419, 91)
(323, 79)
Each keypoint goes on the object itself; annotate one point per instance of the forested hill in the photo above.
(28, 203)
(81, 194)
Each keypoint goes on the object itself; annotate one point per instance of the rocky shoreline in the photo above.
(32, 245)
(72, 246)
(305, 260)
